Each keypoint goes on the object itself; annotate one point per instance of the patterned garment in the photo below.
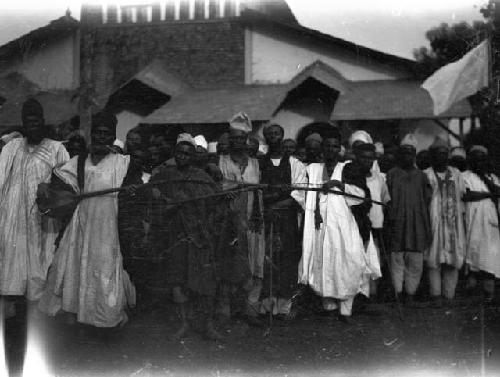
(26, 238)
(447, 221)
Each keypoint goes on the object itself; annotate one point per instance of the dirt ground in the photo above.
(429, 342)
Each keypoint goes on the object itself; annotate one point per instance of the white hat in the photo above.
(212, 147)
(379, 147)
(360, 135)
(478, 148)
(186, 138)
(201, 141)
(119, 143)
(241, 122)
(458, 152)
(409, 140)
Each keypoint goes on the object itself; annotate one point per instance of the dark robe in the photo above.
(286, 237)
(408, 217)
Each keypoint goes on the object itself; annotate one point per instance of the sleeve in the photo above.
(67, 173)
(299, 178)
(62, 156)
(354, 184)
(6, 159)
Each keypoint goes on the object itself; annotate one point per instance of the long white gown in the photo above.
(483, 236)
(87, 276)
(26, 237)
(334, 262)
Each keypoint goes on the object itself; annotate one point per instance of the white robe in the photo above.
(442, 249)
(87, 277)
(483, 237)
(334, 262)
(26, 237)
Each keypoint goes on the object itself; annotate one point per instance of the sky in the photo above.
(393, 26)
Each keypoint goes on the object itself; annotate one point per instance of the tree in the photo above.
(450, 43)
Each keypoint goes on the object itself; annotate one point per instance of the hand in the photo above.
(332, 184)
(132, 189)
(43, 191)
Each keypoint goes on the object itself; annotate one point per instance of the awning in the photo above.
(391, 99)
(219, 105)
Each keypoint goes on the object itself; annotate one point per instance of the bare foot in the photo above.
(181, 333)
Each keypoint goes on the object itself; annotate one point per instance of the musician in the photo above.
(26, 239)
(87, 278)
(191, 235)
(281, 209)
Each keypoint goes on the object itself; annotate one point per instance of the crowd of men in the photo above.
(228, 230)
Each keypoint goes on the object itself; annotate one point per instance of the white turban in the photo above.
(478, 148)
(458, 152)
(241, 122)
(201, 141)
(186, 138)
(360, 135)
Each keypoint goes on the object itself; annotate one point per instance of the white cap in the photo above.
(201, 141)
(212, 147)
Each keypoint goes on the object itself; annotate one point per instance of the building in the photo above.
(195, 63)
(44, 63)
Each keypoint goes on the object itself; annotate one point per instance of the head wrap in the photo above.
(201, 141)
(212, 147)
(360, 135)
(379, 147)
(458, 152)
(31, 107)
(241, 122)
(409, 141)
(315, 137)
(104, 119)
(118, 143)
(439, 143)
(478, 148)
(186, 138)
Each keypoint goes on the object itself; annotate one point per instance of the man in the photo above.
(483, 237)
(313, 148)
(26, 237)
(247, 207)
(377, 189)
(87, 278)
(333, 261)
(223, 144)
(133, 140)
(423, 160)
(445, 256)
(289, 147)
(408, 218)
(192, 242)
(76, 145)
(300, 154)
(281, 210)
(253, 147)
(458, 159)
(164, 146)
